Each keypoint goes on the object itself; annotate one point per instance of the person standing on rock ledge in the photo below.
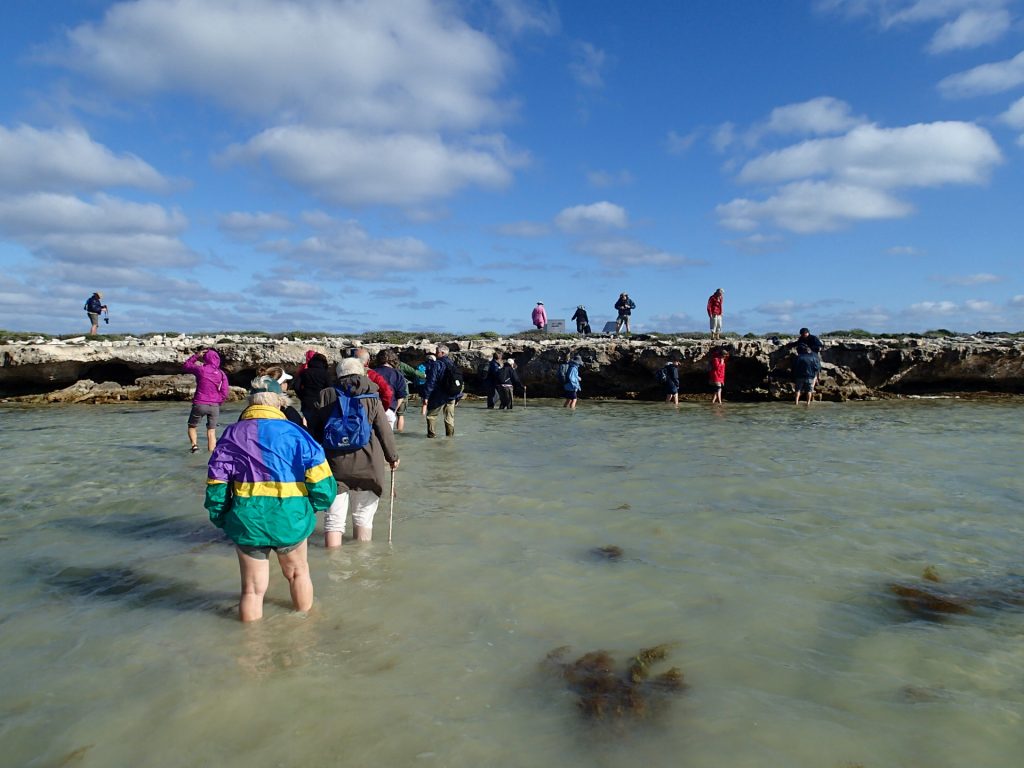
(715, 313)
(212, 389)
(624, 306)
(540, 316)
(94, 306)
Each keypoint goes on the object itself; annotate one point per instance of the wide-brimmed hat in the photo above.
(351, 366)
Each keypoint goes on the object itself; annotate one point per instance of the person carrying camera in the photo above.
(93, 307)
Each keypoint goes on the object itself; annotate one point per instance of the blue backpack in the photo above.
(563, 373)
(348, 428)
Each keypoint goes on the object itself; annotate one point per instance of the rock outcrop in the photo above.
(146, 369)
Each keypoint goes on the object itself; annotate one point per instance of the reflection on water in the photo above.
(761, 542)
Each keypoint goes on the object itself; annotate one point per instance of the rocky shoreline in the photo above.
(98, 370)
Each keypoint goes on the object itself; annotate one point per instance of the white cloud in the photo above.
(48, 213)
(985, 79)
(412, 64)
(835, 181)
(602, 215)
(971, 29)
(346, 250)
(812, 206)
(67, 159)
(757, 243)
(904, 250)
(248, 225)
(587, 65)
(1018, 300)
(925, 154)
(351, 168)
(979, 278)
(933, 308)
(624, 252)
(977, 305)
(605, 179)
(1014, 116)
(519, 17)
(679, 144)
(723, 137)
(295, 291)
(524, 229)
(819, 116)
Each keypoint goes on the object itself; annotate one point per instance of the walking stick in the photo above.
(391, 515)
(524, 395)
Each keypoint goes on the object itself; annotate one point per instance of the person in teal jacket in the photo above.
(266, 480)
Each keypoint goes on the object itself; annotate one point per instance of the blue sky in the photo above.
(348, 166)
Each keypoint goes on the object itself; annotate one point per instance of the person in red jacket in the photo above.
(715, 313)
(386, 392)
(716, 373)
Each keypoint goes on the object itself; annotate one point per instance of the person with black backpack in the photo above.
(441, 391)
(669, 376)
(350, 423)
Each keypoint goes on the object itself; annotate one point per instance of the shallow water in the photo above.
(757, 540)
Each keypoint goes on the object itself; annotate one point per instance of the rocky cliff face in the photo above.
(757, 369)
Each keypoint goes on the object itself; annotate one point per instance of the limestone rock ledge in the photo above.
(150, 369)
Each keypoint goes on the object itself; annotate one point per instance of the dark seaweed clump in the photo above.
(609, 552)
(605, 690)
(933, 600)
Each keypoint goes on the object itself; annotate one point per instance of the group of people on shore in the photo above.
(624, 307)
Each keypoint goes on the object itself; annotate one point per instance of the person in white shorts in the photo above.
(359, 473)
(715, 313)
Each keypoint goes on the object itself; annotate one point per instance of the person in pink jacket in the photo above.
(212, 389)
(540, 316)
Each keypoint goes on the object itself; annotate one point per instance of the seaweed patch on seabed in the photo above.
(607, 552)
(605, 691)
(934, 600)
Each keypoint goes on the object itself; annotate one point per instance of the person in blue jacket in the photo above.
(441, 391)
(805, 368)
(573, 383)
(94, 306)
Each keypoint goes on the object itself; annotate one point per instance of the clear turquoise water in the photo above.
(757, 538)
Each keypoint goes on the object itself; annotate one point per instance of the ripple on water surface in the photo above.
(756, 540)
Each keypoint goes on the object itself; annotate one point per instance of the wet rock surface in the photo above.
(758, 369)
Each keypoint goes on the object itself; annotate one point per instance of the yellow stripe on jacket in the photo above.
(269, 488)
(318, 473)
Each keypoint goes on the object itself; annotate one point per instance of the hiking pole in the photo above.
(391, 515)
(524, 395)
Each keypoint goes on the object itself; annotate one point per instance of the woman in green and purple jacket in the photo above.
(267, 479)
